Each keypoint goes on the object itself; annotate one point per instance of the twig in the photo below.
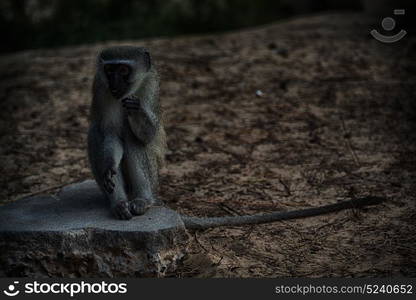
(285, 186)
(347, 137)
(199, 243)
(337, 222)
(54, 187)
(228, 209)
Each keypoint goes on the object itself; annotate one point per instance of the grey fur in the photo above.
(126, 138)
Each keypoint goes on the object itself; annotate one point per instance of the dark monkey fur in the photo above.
(127, 143)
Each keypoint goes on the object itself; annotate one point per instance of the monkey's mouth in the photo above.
(118, 94)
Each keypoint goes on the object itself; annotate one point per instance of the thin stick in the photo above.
(348, 142)
(228, 209)
(54, 187)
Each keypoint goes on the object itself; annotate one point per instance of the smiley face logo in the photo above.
(389, 24)
(11, 290)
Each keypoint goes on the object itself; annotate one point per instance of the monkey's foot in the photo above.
(121, 210)
(139, 206)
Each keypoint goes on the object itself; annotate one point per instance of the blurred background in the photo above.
(31, 24)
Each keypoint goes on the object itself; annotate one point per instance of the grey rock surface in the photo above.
(74, 234)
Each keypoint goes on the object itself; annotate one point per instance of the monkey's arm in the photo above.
(203, 223)
(105, 153)
(142, 120)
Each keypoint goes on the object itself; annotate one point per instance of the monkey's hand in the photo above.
(121, 210)
(142, 119)
(108, 180)
(131, 104)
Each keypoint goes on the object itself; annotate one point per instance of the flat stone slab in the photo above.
(75, 234)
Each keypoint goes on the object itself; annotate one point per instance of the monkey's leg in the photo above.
(105, 155)
(118, 197)
(141, 177)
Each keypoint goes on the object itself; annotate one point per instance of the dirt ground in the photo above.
(297, 114)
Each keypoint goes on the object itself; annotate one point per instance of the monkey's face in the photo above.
(118, 78)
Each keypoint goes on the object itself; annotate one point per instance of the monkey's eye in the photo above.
(124, 70)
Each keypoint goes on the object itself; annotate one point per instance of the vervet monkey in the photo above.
(126, 138)
(127, 144)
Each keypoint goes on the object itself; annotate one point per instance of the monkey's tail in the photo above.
(203, 223)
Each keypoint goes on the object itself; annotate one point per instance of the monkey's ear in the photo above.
(147, 60)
